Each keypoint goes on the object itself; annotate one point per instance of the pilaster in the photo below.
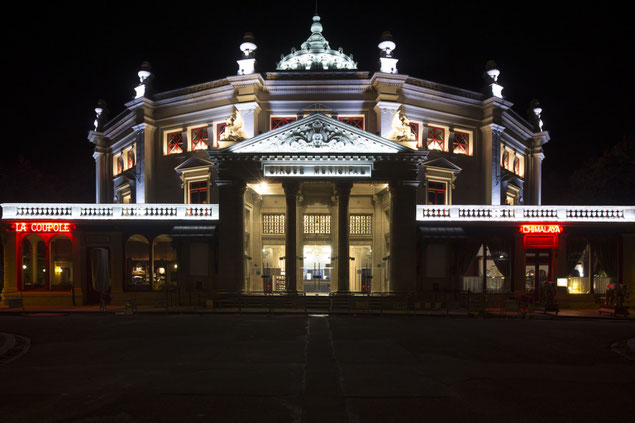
(343, 248)
(492, 172)
(249, 112)
(10, 263)
(537, 156)
(386, 112)
(290, 247)
(101, 166)
(146, 158)
(231, 254)
(403, 236)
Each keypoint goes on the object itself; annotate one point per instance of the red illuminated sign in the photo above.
(540, 229)
(44, 227)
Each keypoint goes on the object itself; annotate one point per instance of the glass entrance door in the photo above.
(317, 269)
(538, 269)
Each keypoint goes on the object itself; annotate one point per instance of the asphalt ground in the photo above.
(293, 368)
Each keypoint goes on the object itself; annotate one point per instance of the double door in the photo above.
(538, 269)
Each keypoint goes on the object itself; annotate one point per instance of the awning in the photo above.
(442, 232)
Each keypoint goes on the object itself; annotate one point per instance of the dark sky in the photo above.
(61, 59)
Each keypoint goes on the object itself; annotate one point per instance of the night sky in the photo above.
(578, 62)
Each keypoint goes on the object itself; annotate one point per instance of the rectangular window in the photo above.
(436, 138)
(278, 121)
(436, 192)
(414, 127)
(220, 128)
(198, 192)
(461, 143)
(200, 138)
(273, 224)
(175, 142)
(361, 224)
(117, 164)
(356, 121)
(317, 224)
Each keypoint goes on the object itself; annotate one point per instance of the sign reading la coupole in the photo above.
(317, 170)
(44, 227)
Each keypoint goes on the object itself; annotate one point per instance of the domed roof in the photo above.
(315, 54)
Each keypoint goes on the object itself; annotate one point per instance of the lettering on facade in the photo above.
(315, 170)
(541, 229)
(47, 227)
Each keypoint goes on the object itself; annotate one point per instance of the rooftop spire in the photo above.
(316, 54)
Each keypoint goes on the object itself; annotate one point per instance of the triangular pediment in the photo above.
(317, 134)
(192, 163)
(443, 163)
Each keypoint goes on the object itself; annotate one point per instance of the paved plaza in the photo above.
(96, 367)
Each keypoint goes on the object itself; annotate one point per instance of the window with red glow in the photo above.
(220, 128)
(517, 166)
(198, 192)
(356, 121)
(436, 138)
(461, 143)
(175, 142)
(200, 139)
(414, 127)
(436, 192)
(277, 122)
(119, 164)
(506, 159)
(130, 159)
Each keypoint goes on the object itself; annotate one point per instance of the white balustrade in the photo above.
(525, 213)
(41, 211)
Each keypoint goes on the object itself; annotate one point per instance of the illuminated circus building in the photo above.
(315, 178)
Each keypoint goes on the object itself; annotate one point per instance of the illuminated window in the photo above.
(138, 263)
(414, 127)
(61, 257)
(175, 142)
(317, 224)
(361, 224)
(461, 143)
(356, 121)
(200, 138)
(117, 164)
(198, 192)
(512, 197)
(436, 138)
(130, 159)
(272, 224)
(278, 121)
(517, 166)
(506, 159)
(164, 264)
(34, 266)
(436, 192)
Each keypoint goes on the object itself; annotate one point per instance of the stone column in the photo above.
(403, 236)
(10, 289)
(535, 172)
(343, 248)
(102, 175)
(290, 247)
(491, 163)
(231, 239)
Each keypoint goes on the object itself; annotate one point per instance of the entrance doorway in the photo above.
(538, 268)
(317, 269)
(360, 268)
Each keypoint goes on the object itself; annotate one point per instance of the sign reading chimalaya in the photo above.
(317, 170)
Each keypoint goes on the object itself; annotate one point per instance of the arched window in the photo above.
(33, 262)
(61, 262)
(164, 264)
(138, 263)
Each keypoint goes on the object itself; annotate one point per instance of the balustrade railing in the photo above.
(109, 211)
(526, 213)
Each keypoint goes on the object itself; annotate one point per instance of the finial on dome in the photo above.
(247, 64)
(387, 63)
(535, 112)
(491, 75)
(316, 26)
(145, 78)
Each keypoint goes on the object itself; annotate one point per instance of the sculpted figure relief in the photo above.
(401, 130)
(234, 130)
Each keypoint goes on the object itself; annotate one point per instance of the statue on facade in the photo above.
(401, 129)
(234, 129)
